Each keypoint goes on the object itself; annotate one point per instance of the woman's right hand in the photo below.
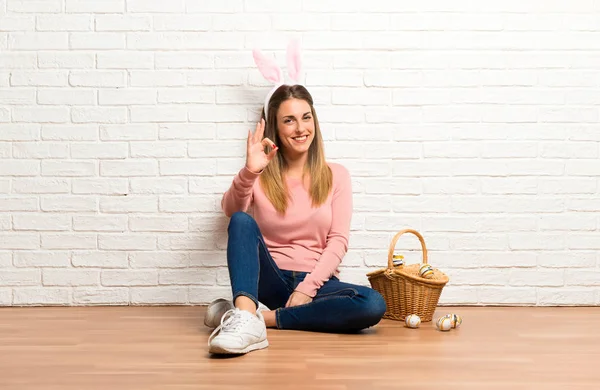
(256, 158)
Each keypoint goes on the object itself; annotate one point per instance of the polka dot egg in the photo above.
(412, 321)
(444, 324)
(426, 271)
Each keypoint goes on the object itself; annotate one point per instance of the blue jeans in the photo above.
(337, 307)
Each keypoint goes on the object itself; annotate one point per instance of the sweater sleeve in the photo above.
(239, 195)
(337, 238)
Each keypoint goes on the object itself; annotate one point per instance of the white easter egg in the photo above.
(412, 321)
(455, 319)
(444, 324)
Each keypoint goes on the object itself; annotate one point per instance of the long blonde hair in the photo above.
(271, 179)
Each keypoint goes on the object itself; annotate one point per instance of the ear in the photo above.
(267, 67)
(294, 62)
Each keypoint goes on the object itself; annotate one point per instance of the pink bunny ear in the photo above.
(268, 67)
(294, 62)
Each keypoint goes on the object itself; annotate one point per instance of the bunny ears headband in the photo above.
(273, 73)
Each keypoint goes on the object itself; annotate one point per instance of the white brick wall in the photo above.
(123, 121)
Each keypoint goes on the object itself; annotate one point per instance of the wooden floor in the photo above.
(165, 348)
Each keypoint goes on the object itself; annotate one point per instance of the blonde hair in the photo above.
(271, 179)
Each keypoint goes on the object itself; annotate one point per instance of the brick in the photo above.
(128, 132)
(43, 78)
(159, 295)
(183, 204)
(20, 168)
(197, 167)
(64, 23)
(35, 6)
(99, 114)
(126, 97)
(129, 204)
(183, 23)
(184, 241)
(87, 296)
(158, 149)
(129, 278)
(459, 295)
(20, 277)
(38, 41)
(96, 7)
(18, 96)
(186, 95)
(122, 23)
(569, 296)
(567, 222)
(96, 223)
(510, 185)
(100, 259)
(17, 60)
(40, 222)
(65, 60)
(209, 185)
(582, 241)
(537, 277)
(110, 186)
(570, 259)
(46, 259)
(208, 259)
(141, 167)
(98, 78)
(18, 203)
(215, 78)
(187, 276)
(5, 186)
(5, 296)
(40, 114)
(158, 185)
(157, 78)
(40, 185)
(187, 131)
(68, 168)
(158, 224)
(79, 132)
(205, 295)
(104, 150)
(69, 203)
(159, 259)
(163, 113)
(68, 241)
(183, 60)
(66, 97)
(46, 296)
(506, 295)
(41, 150)
(70, 277)
(123, 241)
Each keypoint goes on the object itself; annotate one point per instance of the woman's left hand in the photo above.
(297, 298)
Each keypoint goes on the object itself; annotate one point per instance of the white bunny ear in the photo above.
(267, 67)
(294, 61)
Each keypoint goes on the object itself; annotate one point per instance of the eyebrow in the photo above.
(291, 116)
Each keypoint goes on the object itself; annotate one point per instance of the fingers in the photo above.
(261, 129)
(268, 142)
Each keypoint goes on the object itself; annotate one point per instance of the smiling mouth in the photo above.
(301, 138)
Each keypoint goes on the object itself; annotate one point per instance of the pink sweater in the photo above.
(306, 239)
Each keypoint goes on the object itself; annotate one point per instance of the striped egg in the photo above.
(412, 321)
(444, 324)
(426, 271)
(455, 319)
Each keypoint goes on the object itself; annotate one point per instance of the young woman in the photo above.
(283, 262)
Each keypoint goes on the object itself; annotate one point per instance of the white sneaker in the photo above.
(218, 308)
(240, 332)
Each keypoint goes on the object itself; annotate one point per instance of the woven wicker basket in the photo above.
(404, 291)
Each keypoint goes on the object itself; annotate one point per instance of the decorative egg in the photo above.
(455, 319)
(426, 271)
(398, 260)
(444, 324)
(412, 321)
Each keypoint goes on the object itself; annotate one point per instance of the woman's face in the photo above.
(295, 127)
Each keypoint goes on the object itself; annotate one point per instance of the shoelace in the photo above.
(232, 320)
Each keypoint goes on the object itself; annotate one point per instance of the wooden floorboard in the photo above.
(152, 348)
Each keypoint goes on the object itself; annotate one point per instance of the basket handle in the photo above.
(395, 240)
